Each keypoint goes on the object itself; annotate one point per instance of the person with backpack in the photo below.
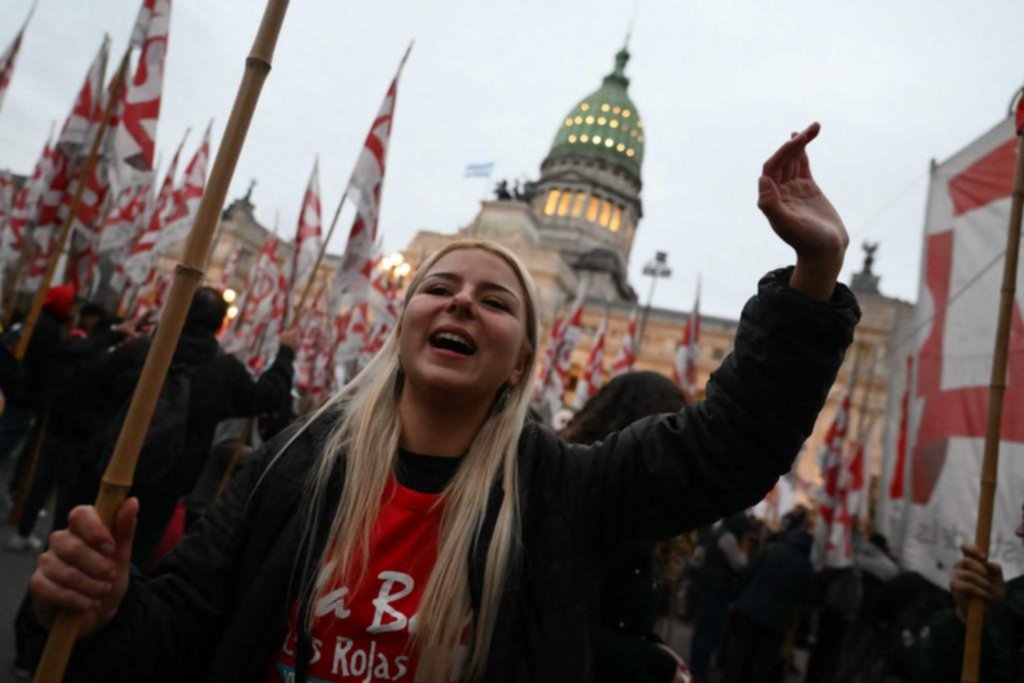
(418, 527)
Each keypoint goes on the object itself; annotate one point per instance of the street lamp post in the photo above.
(656, 268)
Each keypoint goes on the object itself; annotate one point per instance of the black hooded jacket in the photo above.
(216, 608)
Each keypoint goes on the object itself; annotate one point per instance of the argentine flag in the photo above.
(479, 170)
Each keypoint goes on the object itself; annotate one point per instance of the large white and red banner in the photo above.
(964, 242)
(593, 372)
(142, 254)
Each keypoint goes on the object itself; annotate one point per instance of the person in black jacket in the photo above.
(419, 526)
(625, 644)
(765, 612)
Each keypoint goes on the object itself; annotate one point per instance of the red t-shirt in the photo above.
(361, 633)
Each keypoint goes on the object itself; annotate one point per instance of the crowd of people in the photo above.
(424, 523)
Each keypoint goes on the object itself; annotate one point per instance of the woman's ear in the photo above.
(521, 368)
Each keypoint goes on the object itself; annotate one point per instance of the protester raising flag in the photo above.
(554, 377)
(593, 373)
(365, 189)
(626, 356)
(10, 56)
(133, 141)
(307, 236)
(186, 198)
(685, 370)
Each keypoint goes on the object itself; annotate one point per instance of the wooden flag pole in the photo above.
(65, 229)
(993, 431)
(117, 479)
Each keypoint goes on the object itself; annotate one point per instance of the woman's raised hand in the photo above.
(803, 217)
(86, 568)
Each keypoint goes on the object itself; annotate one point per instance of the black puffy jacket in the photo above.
(216, 607)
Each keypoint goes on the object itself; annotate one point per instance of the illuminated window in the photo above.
(629, 152)
(606, 213)
(563, 204)
(584, 137)
(585, 106)
(639, 138)
(616, 110)
(625, 113)
(614, 123)
(590, 120)
(605, 107)
(572, 138)
(592, 208)
(601, 120)
(633, 132)
(577, 205)
(568, 121)
(621, 147)
(597, 139)
(551, 203)
(616, 219)
(578, 119)
(608, 142)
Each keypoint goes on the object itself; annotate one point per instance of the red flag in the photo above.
(10, 56)
(364, 189)
(555, 371)
(592, 378)
(626, 357)
(307, 234)
(25, 209)
(134, 137)
(1020, 114)
(685, 370)
(142, 255)
(185, 199)
(229, 270)
(899, 469)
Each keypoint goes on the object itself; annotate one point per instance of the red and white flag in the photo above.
(364, 189)
(685, 371)
(229, 270)
(142, 254)
(134, 138)
(968, 210)
(123, 223)
(10, 56)
(626, 356)
(86, 113)
(593, 373)
(186, 198)
(833, 521)
(307, 235)
(25, 209)
(565, 334)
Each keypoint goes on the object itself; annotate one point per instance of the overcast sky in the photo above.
(719, 83)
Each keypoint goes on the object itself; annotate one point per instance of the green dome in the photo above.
(605, 123)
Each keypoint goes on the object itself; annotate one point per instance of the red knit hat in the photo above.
(59, 300)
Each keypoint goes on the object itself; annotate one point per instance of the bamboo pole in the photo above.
(117, 479)
(76, 201)
(993, 431)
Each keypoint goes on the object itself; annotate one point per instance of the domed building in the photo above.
(588, 197)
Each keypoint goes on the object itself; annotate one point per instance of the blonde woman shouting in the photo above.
(418, 528)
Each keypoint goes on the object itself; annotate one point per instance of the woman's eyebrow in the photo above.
(452, 277)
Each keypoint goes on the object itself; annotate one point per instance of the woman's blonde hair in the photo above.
(367, 436)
